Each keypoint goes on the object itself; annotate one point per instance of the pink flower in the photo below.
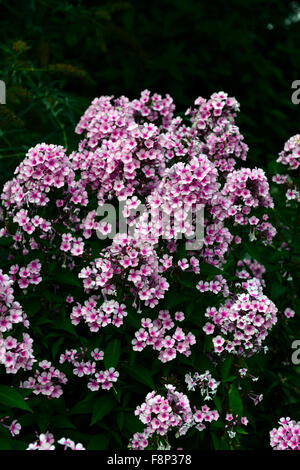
(208, 328)
(287, 436)
(289, 313)
(15, 428)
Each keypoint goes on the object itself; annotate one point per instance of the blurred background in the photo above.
(57, 55)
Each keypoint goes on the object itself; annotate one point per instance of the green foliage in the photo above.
(112, 354)
(12, 399)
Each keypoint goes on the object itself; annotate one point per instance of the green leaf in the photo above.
(231, 378)
(63, 422)
(10, 397)
(117, 437)
(112, 354)
(277, 290)
(102, 406)
(225, 369)
(186, 283)
(196, 318)
(18, 445)
(120, 420)
(218, 403)
(240, 430)
(5, 442)
(215, 439)
(56, 346)
(6, 241)
(223, 444)
(217, 425)
(43, 421)
(25, 392)
(67, 277)
(66, 325)
(133, 424)
(132, 319)
(32, 305)
(83, 407)
(98, 442)
(173, 299)
(235, 401)
(209, 269)
(141, 374)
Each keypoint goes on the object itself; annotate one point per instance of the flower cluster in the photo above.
(191, 264)
(46, 381)
(28, 224)
(233, 422)
(125, 148)
(243, 321)
(83, 366)
(286, 436)
(71, 244)
(44, 176)
(244, 191)
(89, 224)
(110, 312)
(202, 416)
(157, 334)
(184, 191)
(248, 268)
(29, 274)
(173, 413)
(11, 311)
(14, 354)
(216, 134)
(45, 167)
(160, 415)
(216, 285)
(46, 442)
(133, 261)
(290, 157)
(69, 444)
(186, 188)
(247, 189)
(205, 382)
